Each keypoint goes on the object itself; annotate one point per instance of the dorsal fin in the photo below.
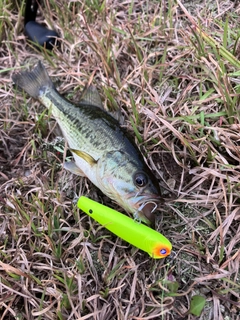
(91, 96)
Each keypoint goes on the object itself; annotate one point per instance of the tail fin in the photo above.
(33, 81)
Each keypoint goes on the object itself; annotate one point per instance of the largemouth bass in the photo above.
(102, 150)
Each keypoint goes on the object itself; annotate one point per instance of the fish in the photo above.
(103, 151)
(139, 235)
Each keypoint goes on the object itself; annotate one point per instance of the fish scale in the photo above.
(102, 150)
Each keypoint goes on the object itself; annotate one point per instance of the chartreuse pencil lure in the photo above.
(137, 234)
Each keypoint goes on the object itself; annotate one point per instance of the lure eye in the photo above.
(163, 251)
(140, 179)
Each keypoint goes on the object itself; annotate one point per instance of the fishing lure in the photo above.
(137, 234)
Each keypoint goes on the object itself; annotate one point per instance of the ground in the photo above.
(172, 68)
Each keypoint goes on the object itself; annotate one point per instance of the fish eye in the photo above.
(140, 179)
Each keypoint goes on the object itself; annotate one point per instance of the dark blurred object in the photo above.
(35, 31)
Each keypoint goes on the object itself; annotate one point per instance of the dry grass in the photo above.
(179, 95)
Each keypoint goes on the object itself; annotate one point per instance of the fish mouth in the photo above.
(146, 211)
(145, 207)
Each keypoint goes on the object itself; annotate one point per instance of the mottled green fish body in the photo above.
(102, 150)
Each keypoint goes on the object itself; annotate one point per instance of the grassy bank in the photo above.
(173, 70)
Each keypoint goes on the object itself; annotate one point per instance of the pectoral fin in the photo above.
(73, 168)
(85, 156)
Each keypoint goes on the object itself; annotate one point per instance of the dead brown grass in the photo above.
(183, 98)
